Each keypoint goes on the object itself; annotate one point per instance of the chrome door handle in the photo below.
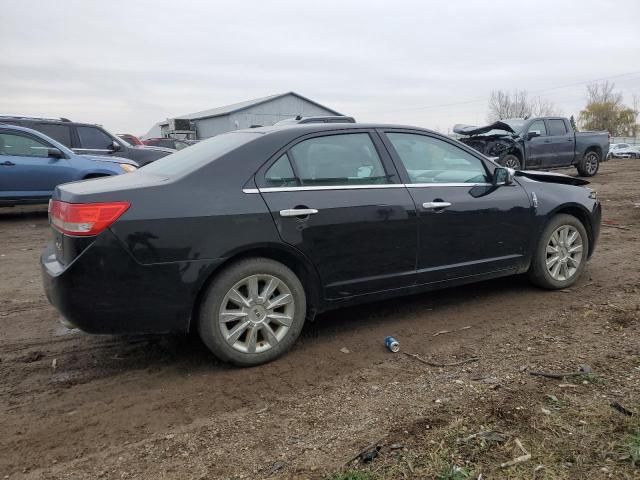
(298, 212)
(434, 205)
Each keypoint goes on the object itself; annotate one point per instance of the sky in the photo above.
(129, 64)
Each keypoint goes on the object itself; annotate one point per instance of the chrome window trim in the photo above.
(360, 187)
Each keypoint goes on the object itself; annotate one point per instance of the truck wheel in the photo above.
(561, 253)
(589, 164)
(252, 312)
(511, 161)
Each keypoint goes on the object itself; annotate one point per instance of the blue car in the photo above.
(32, 165)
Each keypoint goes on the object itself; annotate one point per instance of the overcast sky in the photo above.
(127, 64)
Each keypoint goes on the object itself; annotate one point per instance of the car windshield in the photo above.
(516, 124)
(189, 159)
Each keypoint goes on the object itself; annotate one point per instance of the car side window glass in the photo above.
(60, 133)
(22, 146)
(345, 159)
(431, 160)
(280, 174)
(94, 138)
(539, 128)
(557, 128)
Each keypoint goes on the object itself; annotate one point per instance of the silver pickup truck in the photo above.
(533, 143)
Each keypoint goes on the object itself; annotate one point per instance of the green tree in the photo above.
(605, 111)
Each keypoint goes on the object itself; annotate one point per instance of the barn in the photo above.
(261, 111)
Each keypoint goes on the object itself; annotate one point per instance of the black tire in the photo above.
(538, 272)
(211, 329)
(590, 164)
(511, 161)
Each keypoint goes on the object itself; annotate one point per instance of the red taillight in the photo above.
(84, 219)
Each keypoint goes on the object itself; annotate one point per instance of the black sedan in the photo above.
(244, 236)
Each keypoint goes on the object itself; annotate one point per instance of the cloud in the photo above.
(128, 65)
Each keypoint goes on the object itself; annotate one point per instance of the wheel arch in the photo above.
(288, 256)
(594, 148)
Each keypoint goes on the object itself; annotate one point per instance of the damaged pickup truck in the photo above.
(534, 143)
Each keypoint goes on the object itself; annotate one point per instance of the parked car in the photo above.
(317, 119)
(130, 139)
(624, 150)
(87, 138)
(173, 143)
(247, 234)
(32, 164)
(534, 143)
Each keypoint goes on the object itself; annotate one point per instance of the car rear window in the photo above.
(200, 154)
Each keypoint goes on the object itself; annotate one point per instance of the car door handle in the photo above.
(7, 163)
(298, 212)
(547, 141)
(435, 205)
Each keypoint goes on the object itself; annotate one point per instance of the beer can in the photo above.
(391, 344)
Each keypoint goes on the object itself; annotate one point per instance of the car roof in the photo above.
(302, 128)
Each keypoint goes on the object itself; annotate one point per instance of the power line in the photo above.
(484, 99)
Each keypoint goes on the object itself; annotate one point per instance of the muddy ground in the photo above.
(80, 406)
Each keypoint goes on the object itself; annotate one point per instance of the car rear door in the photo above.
(26, 170)
(561, 142)
(336, 197)
(467, 226)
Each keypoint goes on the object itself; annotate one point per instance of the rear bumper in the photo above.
(104, 290)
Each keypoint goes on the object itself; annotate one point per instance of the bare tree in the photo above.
(518, 105)
(603, 93)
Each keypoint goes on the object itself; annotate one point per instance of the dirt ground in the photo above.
(79, 406)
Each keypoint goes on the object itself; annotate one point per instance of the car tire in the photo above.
(511, 161)
(558, 233)
(590, 164)
(252, 312)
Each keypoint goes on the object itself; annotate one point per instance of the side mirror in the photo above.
(54, 153)
(115, 147)
(502, 176)
(531, 135)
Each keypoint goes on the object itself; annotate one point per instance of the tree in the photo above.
(605, 111)
(518, 105)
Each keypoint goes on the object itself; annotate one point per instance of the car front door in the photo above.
(561, 142)
(95, 141)
(26, 169)
(337, 198)
(467, 225)
(537, 149)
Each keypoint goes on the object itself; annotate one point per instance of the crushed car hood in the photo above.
(550, 177)
(471, 130)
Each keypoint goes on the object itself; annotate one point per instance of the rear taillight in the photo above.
(84, 219)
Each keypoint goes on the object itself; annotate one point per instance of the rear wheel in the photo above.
(252, 312)
(589, 164)
(561, 253)
(511, 161)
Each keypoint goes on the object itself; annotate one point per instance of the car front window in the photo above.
(431, 160)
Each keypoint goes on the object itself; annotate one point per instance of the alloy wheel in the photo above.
(256, 313)
(591, 163)
(511, 163)
(564, 253)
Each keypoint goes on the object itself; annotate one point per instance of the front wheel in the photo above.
(511, 161)
(252, 312)
(561, 253)
(589, 164)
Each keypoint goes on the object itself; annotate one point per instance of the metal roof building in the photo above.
(261, 111)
